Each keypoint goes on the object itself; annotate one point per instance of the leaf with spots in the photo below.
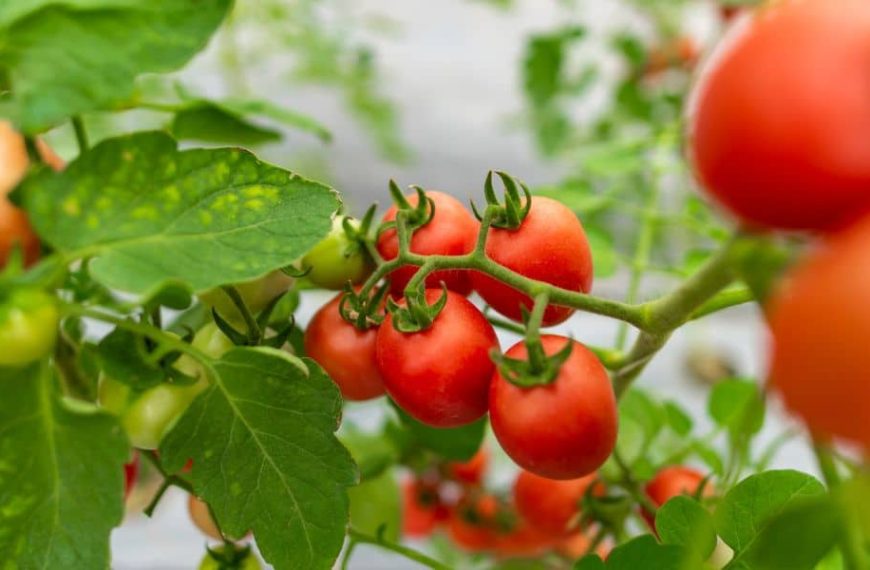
(86, 55)
(265, 455)
(61, 475)
(151, 215)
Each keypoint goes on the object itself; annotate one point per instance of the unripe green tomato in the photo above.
(337, 259)
(209, 562)
(257, 294)
(28, 326)
(210, 340)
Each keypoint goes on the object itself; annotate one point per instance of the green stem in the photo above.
(826, 464)
(632, 487)
(81, 133)
(169, 480)
(724, 300)
(534, 346)
(408, 553)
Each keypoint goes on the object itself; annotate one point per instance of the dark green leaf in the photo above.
(459, 444)
(62, 62)
(122, 356)
(61, 475)
(151, 215)
(683, 521)
(265, 457)
(745, 510)
(590, 562)
(644, 552)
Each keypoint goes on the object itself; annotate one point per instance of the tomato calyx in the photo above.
(511, 214)
(413, 216)
(416, 314)
(229, 555)
(361, 310)
(254, 335)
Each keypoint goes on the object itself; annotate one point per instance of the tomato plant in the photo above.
(180, 315)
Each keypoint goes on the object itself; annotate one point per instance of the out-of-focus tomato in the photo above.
(469, 472)
(422, 508)
(551, 505)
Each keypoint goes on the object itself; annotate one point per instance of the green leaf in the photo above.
(644, 552)
(737, 405)
(798, 538)
(62, 62)
(61, 475)
(640, 407)
(121, 354)
(603, 252)
(265, 456)
(709, 456)
(372, 452)
(543, 64)
(677, 418)
(151, 215)
(590, 562)
(683, 521)
(459, 444)
(746, 508)
(376, 503)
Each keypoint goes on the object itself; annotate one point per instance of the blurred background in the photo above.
(580, 99)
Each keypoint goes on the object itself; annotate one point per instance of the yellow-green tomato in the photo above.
(220, 561)
(337, 259)
(210, 340)
(257, 294)
(28, 326)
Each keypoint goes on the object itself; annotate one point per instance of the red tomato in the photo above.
(471, 524)
(440, 375)
(563, 430)
(469, 472)
(15, 231)
(451, 231)
(551, 246)
(676, 480)
(422, 510)
(14, 160)
(131, 470)
(779, 120)
(549, 504)
(577, 545)
(524, 540)
(820, 322)
(345, 352)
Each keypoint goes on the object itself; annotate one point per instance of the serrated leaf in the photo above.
(459, 444)
(151, 215)
(265, 456)
(683, 521)
(376, 504)
(61, 475)
(62, 62)
(748, 506)
(737, 405)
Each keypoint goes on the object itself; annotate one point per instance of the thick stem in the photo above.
(408, 553)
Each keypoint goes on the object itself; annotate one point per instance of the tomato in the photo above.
(131, 471)
(551, 246)
(345, 352)
(16, 233)
(819, 322)
(337, 259)
(549, 504)
(471, 524)
(211, 562)
(14, 160)
(576, 546)
(672, 481)
(563, 430)
(28, 325)
(440, 375)
(729, 13)
(469, 472)
(201, 517)
(422, 508)
(778, 121)
(523, 541)
(257, 294)
(680, 52)
(451, 231)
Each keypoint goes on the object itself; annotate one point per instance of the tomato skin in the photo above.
(451, 231)
(16, 232)
(14, 160)
(257, 294)
(201, 517)
(471, 523)
(345, 352)
(422, 509)
(548, 504)
(551, 246)
(524, 540)
(779, 117)
(819, 322)
(337, 259)
(28, 326)
(670, 482)
(131, 471)
(435, 389)
(563, 430)
(469, 472)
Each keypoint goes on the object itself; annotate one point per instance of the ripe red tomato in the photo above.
(131, 471)
(469, 472)
(524, 540)
(563, 430)
(676, 480)
(440, 375)
(779, 119)
(451, 231)
(16, 232)
(345, 352)
(471, 524)
(576, 546)
(551, 246)
(549, 504)
(819, 322)
(422, 508)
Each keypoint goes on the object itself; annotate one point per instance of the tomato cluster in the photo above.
(442, 373)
